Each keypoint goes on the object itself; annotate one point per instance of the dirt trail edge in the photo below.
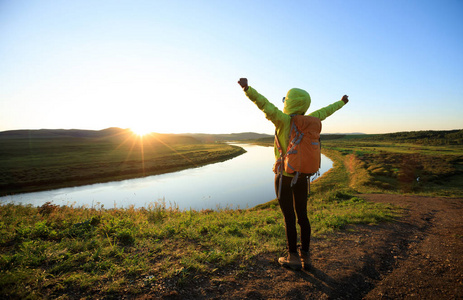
(418, 257)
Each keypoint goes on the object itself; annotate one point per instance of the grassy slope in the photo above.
(391, 167)
(73, 252)
(51, 162)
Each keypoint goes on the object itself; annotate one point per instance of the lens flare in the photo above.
(140, 131)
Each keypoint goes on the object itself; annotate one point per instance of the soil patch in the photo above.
(419, 256)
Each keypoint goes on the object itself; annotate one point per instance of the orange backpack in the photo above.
(303, 154)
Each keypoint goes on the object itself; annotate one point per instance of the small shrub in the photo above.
(338, 196)
(125, 237)
(41, 229)
(47, 208)
(82, 229)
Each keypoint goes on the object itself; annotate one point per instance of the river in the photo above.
(242, 182)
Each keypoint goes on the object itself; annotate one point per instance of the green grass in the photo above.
(46, 163)
(392, 167)
(51, 251)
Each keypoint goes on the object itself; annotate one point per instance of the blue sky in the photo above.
(173, 66)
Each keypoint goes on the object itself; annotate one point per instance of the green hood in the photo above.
(297, 102)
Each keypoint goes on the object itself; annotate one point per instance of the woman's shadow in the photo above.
(321, 281)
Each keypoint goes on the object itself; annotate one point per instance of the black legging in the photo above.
(294, 198)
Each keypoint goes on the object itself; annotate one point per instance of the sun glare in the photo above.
(140, 131)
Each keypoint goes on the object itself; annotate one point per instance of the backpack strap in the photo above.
(279, 164)
(295, 178)
(277, 143)
(294, 142)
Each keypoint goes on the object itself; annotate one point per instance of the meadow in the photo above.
(428, 165)
(83, 252)
(47, 162)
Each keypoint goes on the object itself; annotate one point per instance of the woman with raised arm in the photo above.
(292, 198)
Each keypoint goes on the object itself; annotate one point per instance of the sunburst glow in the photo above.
(140, 131)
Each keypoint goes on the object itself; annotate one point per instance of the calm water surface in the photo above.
(242, 182)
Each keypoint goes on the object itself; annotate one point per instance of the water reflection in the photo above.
(242, 182)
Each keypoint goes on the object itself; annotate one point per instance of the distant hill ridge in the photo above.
(422, 137)
(119, 132)
(425, 137)
(51, 133)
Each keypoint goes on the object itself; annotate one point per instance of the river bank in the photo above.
(241, 182)
(56, 163)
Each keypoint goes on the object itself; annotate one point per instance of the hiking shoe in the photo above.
(305, 259)
(293, 261)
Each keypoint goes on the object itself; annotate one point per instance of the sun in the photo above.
(140, 131)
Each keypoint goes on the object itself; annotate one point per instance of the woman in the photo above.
(292, 199)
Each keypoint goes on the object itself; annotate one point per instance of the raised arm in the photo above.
(272, 113)
(327, 111)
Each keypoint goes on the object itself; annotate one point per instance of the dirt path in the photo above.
(418, 257)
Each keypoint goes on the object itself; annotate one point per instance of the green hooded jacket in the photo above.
(297, 102)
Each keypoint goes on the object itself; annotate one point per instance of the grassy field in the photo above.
(52, 162)
(83, 252)
(391, 167)
(70, 253)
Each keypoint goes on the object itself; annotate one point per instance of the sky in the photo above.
(173, 66)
